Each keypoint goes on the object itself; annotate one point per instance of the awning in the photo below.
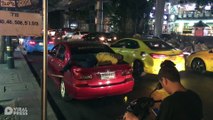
(200, 24)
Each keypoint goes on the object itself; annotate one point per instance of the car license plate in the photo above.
(41, 44)
(107, 75)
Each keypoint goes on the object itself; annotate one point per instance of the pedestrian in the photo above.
(181, 104)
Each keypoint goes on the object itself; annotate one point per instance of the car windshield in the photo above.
(158, 45)
(90, 49)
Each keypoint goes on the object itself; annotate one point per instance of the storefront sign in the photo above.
(15, 3)
(8, 3)
(20, 23)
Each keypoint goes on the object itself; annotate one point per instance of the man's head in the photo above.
(168, 75)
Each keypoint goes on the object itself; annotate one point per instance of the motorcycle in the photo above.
(141, 107)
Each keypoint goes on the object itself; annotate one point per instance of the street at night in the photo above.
(106, 59)
(114, 106)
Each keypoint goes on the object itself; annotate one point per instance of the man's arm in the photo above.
(165, 111)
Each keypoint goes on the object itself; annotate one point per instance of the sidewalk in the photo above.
(19, 90)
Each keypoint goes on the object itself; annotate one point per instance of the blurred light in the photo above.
(125, 99)
(102, 38)
(165, 17)
(108, 82)
(190, 7)
(208, 7)
(100, 83)
(151, 15)
(52, 33)
(114, 38)
(172, 17)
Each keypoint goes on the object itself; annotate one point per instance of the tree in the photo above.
(127, 14)
(159, 17)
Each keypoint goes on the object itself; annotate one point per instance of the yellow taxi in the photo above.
(201, 61)
(146, 55)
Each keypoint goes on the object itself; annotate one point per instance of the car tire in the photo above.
(138, 68)
(198, 65)
(63, 92)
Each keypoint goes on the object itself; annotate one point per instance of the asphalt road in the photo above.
(110, 108)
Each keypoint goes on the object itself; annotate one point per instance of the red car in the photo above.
(83, 81)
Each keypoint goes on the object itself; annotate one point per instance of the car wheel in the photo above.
(198, 66)
(137, 68)
(63, 91)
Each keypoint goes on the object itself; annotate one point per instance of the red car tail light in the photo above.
(31, 42)
(158, 56)
(80, 76)
(181, 55)
(50, 42)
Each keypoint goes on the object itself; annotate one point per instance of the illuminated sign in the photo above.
(8, 3)
(23, 3)
(15, 3)
(20, 23)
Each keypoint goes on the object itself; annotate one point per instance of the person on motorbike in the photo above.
(181, 104)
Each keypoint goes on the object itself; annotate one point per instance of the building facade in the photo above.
(181, 18)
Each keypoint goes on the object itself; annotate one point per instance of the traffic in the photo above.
(85, 82)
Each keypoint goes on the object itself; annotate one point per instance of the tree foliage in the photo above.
(203, 2)
(123, 11)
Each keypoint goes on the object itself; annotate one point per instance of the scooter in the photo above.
(141, 107)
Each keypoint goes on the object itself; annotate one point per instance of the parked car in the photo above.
(104, 38)
(86, 80)
(32, 44)
(200, 61)
(146, 55)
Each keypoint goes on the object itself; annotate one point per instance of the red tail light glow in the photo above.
(158, 56)
(181, 55)
(50, 42)
(31, 42)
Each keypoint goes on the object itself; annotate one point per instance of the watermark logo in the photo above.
(15, 111)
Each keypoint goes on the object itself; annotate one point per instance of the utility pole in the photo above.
(159, 12)
(44, 74)
(99, 16)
